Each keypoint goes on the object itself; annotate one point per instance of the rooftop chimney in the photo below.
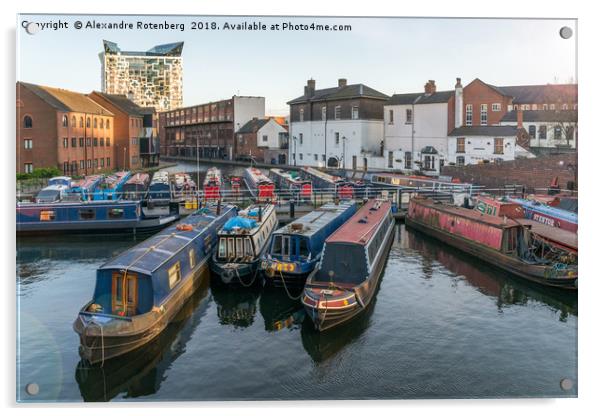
(342, 82)
(458, 83)
(430, 88)
(459, 104)
(310, 88)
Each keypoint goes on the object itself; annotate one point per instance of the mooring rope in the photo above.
(286, 289)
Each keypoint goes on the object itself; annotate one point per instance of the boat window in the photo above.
(222, 247)
(174, 275)
(239, 252)
(87, 214)
(277, 245)
(191, 258)
(303, 247)
(47, 215)
(248, 247)
(117, 292)
(131, 290)
(286, 246)
(343, 263)
(230, 247)
(115, 213)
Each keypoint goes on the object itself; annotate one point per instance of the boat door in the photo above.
(124, 299)
(286, 247)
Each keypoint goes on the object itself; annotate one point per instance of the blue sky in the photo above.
(392, 55)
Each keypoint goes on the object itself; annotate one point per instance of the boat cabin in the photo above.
(498, 207)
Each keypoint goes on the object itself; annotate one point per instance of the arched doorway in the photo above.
(333, 162)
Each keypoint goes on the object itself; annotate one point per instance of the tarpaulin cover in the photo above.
(241, 222)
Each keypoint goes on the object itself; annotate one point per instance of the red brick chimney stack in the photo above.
(430, 87)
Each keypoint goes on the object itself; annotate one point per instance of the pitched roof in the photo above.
(253, 125)
(65, 100)
(549, 93)
(484, 131)
(123, 103)
(543, 116)
(420, 98)
(341, 93)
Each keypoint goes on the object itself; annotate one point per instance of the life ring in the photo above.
(184, 227)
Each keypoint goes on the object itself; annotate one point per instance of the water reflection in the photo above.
(236, 307)
(141, 372)
(489, 280)
(279, 311)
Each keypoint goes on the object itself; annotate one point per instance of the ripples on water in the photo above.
(441, 325)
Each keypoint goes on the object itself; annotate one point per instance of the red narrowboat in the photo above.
(260, 186)
(212, 184)
(354, 256)
(507, 243)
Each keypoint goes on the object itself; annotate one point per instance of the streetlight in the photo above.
(344, 140)
(295, 150)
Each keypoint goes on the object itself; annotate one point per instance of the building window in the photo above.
(409, 116)
(300, 156)
(81, 122)
(390, 116)
(532, 131)
(96, 142)
(355, 113)
(102, 163)
(534, 107)
(557, 132)
(337, 112)
(315, 156)
(336, 138)
(81, 142)
(570, 131)
(88, 142)
(483, 114)
(108, 161)
(323, 157)
(498, 146)
(82, 164)
(108, 142)
(264, 138)
(527, 107)
(324, 113)
(552, 107)
(301, 114)
(65, 168)
(565, 106)
(88, 122)
(95, 123)
(73, 121)
(28, 167)
(65, 142)
(469, 114)
(102, 123)
(496, 107)
(27, 122)
(28, 143)
(95, 163)
(300, 138)
(460, 145)
(408, 160)
(545, 107)
(516, 107)
(509, 107)
(390, 160)
(460, 160)
(134, 141)
(429, 162)
(65, 121)
(108, 124)
(74, 142)
(543, 132)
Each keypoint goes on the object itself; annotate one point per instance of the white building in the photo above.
(338, 127)
(547, 129)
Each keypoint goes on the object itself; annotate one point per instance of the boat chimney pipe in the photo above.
(259, 216)
(219, 207)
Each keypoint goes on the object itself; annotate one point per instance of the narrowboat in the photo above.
(212, 184)
(136, 187)
(52, 194)
(60, 180)
(242, 242)
(86, 187)
(89, 217)
(500, 207)
(290, 183)
(183, 184)
(159, 189)
(260, 186)
(448, 190)
(326, 182)
(295, 249)
(549, 215)
(507, 243)
(139, 292)
(345, 281)
(109, 189)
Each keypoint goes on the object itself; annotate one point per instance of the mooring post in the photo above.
(291, 209)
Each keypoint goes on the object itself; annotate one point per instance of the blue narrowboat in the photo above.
(139, 292)
(296, 248)
(110, 188)
(160, 187)
(548, 215)
(88, 217)
(86, 187)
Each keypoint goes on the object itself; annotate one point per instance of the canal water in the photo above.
(442, 325)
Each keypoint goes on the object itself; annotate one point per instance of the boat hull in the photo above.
(510, 264)
(234, 274)
(100, 342)
(325, 318)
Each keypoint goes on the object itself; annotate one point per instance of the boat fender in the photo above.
(270, 272)
(184, 227)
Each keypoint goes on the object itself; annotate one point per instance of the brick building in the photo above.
(340, 126)
(129, 128)
(64, 129)
(209, 126)
(265, 139)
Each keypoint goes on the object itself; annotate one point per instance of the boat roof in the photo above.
(151, 253)
(558, 235)
(265, 211)
(320, 174)
(316, 220)
(258, 175)
(420, 179)
(360, 228)
(546, 209)
(471, 214)
(138, 178)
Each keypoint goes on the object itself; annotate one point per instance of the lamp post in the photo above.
(344, 151)
(295, 150)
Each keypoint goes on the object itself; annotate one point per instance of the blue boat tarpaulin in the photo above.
(244, 223)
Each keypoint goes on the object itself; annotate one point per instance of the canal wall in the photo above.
(534, 174)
